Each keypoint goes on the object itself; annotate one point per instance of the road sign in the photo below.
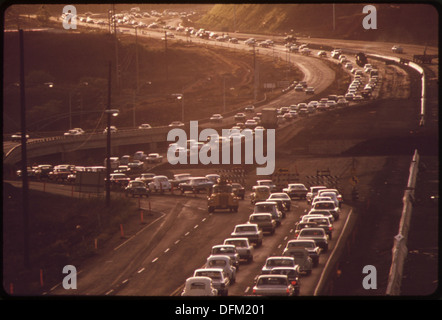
(354, 180)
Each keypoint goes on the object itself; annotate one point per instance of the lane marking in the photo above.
(154, 260)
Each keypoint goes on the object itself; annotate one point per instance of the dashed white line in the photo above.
(187, 233)
(247, 290)
(196, 226)
(176, 242)
(167, 250)
(154, 259)
(141, 270)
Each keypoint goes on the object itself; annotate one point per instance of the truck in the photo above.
(269, 118)
(222, 196)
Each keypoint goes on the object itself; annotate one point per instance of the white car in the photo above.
(200, 287)
(160, 184)
(224, 262)
(154, 158)
(216, 118)
(243, 247)
(145, 126)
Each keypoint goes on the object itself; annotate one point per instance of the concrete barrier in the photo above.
(400, 250)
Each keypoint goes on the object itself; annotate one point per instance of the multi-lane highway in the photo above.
(156, 257)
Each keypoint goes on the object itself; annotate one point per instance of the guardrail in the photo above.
(400, 250)
(419, 69)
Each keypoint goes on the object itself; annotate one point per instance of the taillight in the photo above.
(294, 282)
(254, 291)
(287, 290)
(330, 228)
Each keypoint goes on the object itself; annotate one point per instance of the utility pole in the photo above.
(165, 52)
(108, 141)
(116, 49)
(24, 166)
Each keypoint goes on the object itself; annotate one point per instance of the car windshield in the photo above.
(217, 263)
(239, 243)
(301, 244)
(222, 188)
(245, 228)
(223, 250)
(324, 205)
(279, 196)
(210, 274)
(264, 208)
(197, 286)
(260, 218)
(272, 281)
(311, 232)
(279, 262)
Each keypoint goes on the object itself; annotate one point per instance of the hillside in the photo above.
(406, 23)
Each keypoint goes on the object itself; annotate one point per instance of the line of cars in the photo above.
(219, 272)
(281, 274)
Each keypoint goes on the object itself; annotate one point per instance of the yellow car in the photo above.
(259, 193)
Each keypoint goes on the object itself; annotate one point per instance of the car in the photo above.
(299, 87)
(213, 177)
(243, 247)
(145, 126)
(176, 124)
(269, 207)
(196, 184)
(74, 132)
(397, 49)
(349, 96)
(267, 182)
(113, 129)
(277, 261)
(249, 108)
(224, 262)
(338, 194)
(302, 224)
(264, 221)
(324, 213)
(319, 198)
(240, 117)
(140, 155)
(316, 234)
(154, 158)
(219, 278)
(119, 180)
(283, 196)
(313, 250)
(259, 193)
(250, 123)
(135, 165)
(42, 171)
(216, 118)
(146, 178)
(273, 285)
(160, 184)
(302, 258)
(309, 90)
(322, 222)
(296, 190)
(200, 287)
(328, 205)
(293, 275)
(238, 190)
(322, 53)
(280, 205)
(227, 250)
(136, 188)
(179, 178)
(312, 192)
(16, 137)
(331, 194)
(249, 231)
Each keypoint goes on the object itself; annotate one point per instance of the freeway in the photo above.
(179, 228)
